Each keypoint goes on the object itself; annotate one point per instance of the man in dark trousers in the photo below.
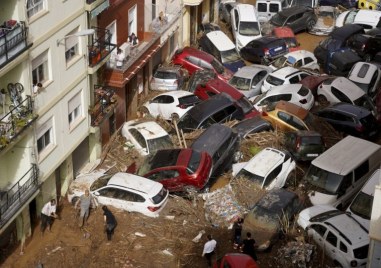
(237, 227)
(209, 248)
(109, 221)
(248, 246)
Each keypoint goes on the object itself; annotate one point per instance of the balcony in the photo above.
(13, 41)
(13, 123)
(12, 199)
(137, 56)
(100, 49)
(104, 103)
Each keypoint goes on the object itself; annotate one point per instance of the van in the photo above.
(222, 48)
(361, 206)
(245, 24)
(268, 8)
(221, 143)
(338, 174)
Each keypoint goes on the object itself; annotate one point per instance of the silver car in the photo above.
(168, 78)
(326, 18)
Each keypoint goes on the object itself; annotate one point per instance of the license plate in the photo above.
(311, 155)
(278, 48)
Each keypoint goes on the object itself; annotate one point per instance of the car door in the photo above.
(133, 201)
(167, 106)
(106, 196)
(170, 178)
(137, 139)
(331, 245)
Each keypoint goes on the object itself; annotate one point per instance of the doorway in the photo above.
(112, 29)
(132, 25)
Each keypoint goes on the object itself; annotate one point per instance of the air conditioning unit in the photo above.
(126, 48)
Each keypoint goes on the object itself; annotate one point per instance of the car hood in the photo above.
(318, 198)
(306, 214)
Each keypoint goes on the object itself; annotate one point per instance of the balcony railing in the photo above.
(100, 47)
(13, 40)
(158, 28)
(12, 199)
(15, 121)
(104, 102)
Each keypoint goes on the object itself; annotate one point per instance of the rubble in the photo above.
(297, 252)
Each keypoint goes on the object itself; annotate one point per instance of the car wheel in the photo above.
(74, 200)
(367, 57)
(322, 100)
(310, 24)
(175, 117)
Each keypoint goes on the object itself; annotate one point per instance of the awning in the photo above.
(192, 2)
(96, 11)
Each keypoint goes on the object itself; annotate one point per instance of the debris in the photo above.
(140, 234)
(298, 252)
(169, 217)
(54, 250)
(198, 237)
(167, 252)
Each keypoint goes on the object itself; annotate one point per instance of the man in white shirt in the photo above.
(209, 248)
(47, 213)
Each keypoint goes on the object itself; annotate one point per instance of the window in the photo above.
(75, 108)
(332, 239)
(138, 137)
(308, 60)
(343, 247)
(272, 175)
(320, 229)
(34, 6)
(45, 136)
(294, 80)
(40, 69)
(274, 8)
(262, 7)
(71, 46)
(340, 95)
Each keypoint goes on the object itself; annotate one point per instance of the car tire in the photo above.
(367, 57)
(74, 200)
(310, 24)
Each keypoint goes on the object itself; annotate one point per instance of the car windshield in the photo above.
(323, 181)
(230, 56)
(160, 196)
(240, 83)
(363, 86)
(194, 162)
(278, 19)
(362, 205)
(362, 252)
(250, 176)
(364, 101)
(218, 66)
(187, 121)
(274, 80)
(99, 183)
(163, 142)
(249, 28)
(189, 100)
(279, 62)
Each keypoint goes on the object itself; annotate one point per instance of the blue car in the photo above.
(264, 49)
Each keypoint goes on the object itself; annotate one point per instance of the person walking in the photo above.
(86, 201)
(237, 227)
(48, 212)
(209, 248)
(248, 246)
(109, 221)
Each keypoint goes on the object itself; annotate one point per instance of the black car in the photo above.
(350, 119)
(298, 18)
(304, 145)
(264, 49)
(366, 46)
(340, 62)
(336, 40)
(221, 143)
(251, 126)
(219, 108)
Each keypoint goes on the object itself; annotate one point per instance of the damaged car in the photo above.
(326, 18)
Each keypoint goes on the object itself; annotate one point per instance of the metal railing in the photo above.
(15, 121)
(100, 47)
(15, 197)
(104, 101)
(13, 41)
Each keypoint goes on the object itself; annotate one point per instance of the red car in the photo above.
(236, 260)
(288, 35)
(193, 59)
(216, 86)
(178, 169)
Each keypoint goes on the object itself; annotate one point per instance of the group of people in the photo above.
(120, 57)
(84, 203)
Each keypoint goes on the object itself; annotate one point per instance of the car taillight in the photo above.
(182, 106)
(353, 263)
(266, 51)
(303, 101)
(153, 209)
(360, 128)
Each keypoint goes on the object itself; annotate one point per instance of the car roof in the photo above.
(350, 89)
(334, 160)
(222, 86)
(292, 109)
(220, 40)
(212, 138)
(345, 31)
(164, 158)
(149, 129)
(282, 89)
(284, 72)
(251, 70)
(135, 182)
(264, 161)
(304, 133)
(250, 123)
(246, 12)
(284, 31)
(359, 112)
(370, 17)
(240, 260)
(354, 73)
(276, 200)
(300, 54)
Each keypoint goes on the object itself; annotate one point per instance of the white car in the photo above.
(297, 59)
(249, 79)
(270, 168)
(283, 76)
(368, 19)
(171, 105)
(146, 137)
(295, 93)
(121, 190)
(367, 76)
(341, 89)
(340, 236)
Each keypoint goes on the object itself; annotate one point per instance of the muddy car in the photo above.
(267, 218)
(326, 17)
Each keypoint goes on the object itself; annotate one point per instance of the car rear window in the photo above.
(363, 70)
(311, 140)
(160, 196)
(361, 253)
(274, 8)
(262, 7)
(194, 162)
(303, 91)
(188, 100)
(169, 75)
(274, 80)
